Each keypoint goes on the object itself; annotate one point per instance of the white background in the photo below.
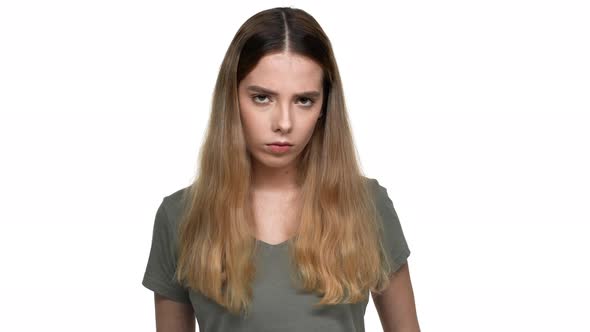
(473, 114)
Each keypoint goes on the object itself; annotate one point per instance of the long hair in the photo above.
(336, 252)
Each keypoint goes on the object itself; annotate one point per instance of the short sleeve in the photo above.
(393, 237)
(161, 266)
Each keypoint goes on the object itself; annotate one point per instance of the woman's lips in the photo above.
(278, 148)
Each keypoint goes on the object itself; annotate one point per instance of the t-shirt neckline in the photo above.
(273, 246)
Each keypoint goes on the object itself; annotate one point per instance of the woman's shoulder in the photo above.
(178, 195)
(174, 202)
(380, 194)
(376, 188)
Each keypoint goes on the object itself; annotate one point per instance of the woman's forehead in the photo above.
(285, 71)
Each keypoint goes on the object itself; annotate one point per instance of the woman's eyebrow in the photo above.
(259, 89)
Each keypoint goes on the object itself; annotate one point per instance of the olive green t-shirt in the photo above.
(276, 305)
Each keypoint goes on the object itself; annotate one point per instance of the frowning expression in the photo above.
(280, 101)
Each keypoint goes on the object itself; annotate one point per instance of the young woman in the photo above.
(279, 231)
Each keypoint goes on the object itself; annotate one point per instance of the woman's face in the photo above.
(280, 101)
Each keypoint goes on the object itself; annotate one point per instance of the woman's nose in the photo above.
(282, 118)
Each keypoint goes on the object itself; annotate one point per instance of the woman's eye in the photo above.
(255, 97)
(309, 101)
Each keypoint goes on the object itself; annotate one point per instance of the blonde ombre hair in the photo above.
(336, 252)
